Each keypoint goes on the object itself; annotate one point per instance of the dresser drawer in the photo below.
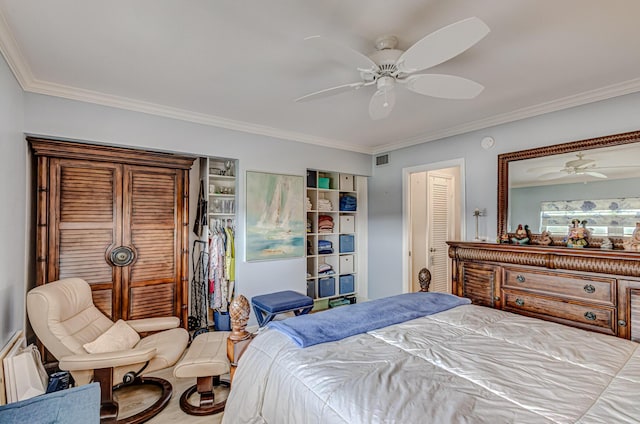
(590, 317)
(587, 288)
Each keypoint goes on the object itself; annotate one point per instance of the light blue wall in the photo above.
(13, 185)
(611, 116)
(525, 201)
(61, 118)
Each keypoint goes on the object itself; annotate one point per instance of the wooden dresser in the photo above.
(597, 290)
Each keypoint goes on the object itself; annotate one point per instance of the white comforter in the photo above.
(469, 364)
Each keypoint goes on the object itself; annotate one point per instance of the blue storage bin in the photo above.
(348, 203)
(222, 321)
(347, 243)
(326, 287)
(346, 283)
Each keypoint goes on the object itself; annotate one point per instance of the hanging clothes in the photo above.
(222, 264)
(216, 266)
(230, 255)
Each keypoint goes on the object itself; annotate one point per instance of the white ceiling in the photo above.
(239, 64)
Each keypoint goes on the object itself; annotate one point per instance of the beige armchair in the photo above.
(65, 320)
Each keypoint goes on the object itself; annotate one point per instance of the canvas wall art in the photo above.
(275, 218)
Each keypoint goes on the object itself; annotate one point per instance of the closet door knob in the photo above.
(122, 256)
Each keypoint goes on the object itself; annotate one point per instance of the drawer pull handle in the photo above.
(622, 323)
(496, 298)
(590, 316)
(519, 302)
(589, 288)
(520, 278)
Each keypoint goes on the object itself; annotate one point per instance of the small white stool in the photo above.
(206, 360)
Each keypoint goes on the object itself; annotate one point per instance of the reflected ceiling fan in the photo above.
(580, 166)
(387, 66)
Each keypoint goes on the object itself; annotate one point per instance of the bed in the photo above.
(467, 364)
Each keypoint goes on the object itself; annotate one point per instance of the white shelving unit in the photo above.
(332, 238)
(219, 175)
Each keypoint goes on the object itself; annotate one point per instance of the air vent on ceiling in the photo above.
(382, 159)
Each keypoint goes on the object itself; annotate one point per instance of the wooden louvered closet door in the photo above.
(93, 199)
(86, 222)
(151, 223)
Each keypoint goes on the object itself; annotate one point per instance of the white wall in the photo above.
(385, 186)
(13, 192)
(61, 118)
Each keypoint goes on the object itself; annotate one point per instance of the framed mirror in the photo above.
(595, 180)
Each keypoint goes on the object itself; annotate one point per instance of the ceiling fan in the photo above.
(580, 166)
(387, 66)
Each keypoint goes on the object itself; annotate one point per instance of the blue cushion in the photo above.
(281, 301)
(71, 406)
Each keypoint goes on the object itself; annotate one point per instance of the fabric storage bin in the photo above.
(311, 289)
(346, 264)
(347, 224)
(222, 321)
(311, 179)
(326, 287)
(320, 305)
(323, 182)
(346, 284)
(347, 243)
(348, 203)
(346, 182)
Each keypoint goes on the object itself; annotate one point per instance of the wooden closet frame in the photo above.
(44, 149)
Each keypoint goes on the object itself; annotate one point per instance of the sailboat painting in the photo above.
(275, 216)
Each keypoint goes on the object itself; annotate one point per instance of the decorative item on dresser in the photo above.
(118, 218)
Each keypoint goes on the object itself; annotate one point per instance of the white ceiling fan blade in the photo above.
(552, 176)
(381, 103)
(443, 86)
(542, 168)
(330, 91)
(442, 45)
(344, 54)
(595, 174)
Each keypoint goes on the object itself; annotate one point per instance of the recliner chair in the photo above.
(64, 318)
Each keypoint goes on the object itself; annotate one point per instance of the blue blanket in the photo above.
(338, 323)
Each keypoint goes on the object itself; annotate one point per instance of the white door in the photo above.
(440, 228)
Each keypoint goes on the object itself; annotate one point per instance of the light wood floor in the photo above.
(136, 399)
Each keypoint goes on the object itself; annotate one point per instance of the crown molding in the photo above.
(13, 55)
(21, 70)
(614, 90)
(89, 96)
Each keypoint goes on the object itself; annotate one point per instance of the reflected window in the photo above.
(605, 217)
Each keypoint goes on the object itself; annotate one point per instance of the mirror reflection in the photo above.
(601, 186)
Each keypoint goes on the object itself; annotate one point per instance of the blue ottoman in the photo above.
(267, 306)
